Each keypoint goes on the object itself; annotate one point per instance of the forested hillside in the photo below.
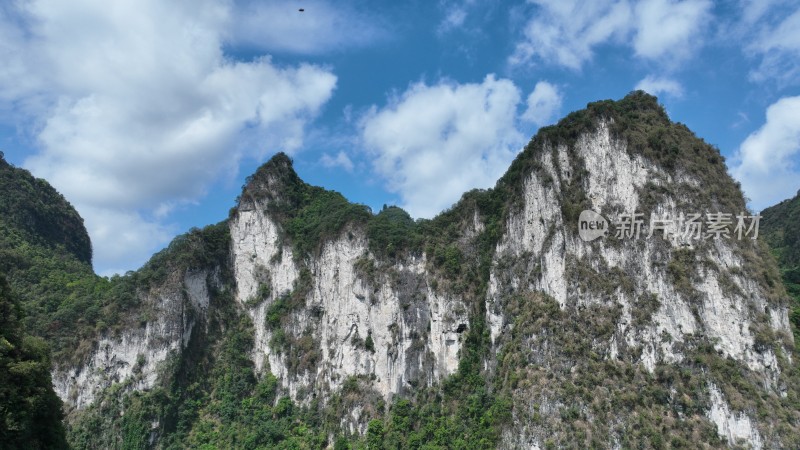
(30, 411)
(781, 230)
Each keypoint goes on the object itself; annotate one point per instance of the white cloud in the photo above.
(668, 27)
(543, 104)
(566, 32)
(136, 108)
(340, 160)
(660, 85)
(323, 26)
(125, 236)
(454, 18)
(753, 10)
(766, 163)
(455, 13)
(777, 42)
(435, 142)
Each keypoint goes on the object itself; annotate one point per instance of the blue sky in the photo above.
(148, 115)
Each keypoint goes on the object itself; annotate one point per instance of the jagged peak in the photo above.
(279, 163)
(279, 168)
(272, 181)
(633, 107)
(639, 120)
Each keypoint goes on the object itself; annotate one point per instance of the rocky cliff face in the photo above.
(657, 316)
(413, 329)
(134, 355)
(609, 342)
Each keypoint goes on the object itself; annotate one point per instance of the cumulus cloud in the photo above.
(543, 104)
(323, 26)
(660, 85)
(125, 235)
(766, 163)
(135, 108)
(340, 160)
(667, 27)
(776, 42)
(566, 32)
(435, 142)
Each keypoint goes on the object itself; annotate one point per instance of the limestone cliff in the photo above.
(616, 342)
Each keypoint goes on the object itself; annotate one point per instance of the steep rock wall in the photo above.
(133, 357)
(540, 251)
(413, 328)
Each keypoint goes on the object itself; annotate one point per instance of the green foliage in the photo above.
(647, 130)
(278, 311)
(262, 293)
(302, 352)
(391, 231)
(46, 256)
(451, 260)
(212, 399)
(64, 301)
(242, 411)
(681, 270)
(600, 399)
(208, 247)
(264, 290)
(643, 310)
(365, 267)
(375, 434)
(30, 411)
(462, 414)
(322, 217)
(341, 444)
(643, 125)
(780, 229)
(369, 344)
(308, 214)
(37, 213)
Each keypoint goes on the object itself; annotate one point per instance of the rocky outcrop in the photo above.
(541, 252)
(662, 312)
(133, 357)
(413, 330)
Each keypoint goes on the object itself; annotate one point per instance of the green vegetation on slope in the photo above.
(46, 256)
(640, 122)
(30, 411)
(209, 398)
(780, 229)
(31, 209)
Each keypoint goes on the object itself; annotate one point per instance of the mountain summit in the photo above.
(307, 321)
(31, 207)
